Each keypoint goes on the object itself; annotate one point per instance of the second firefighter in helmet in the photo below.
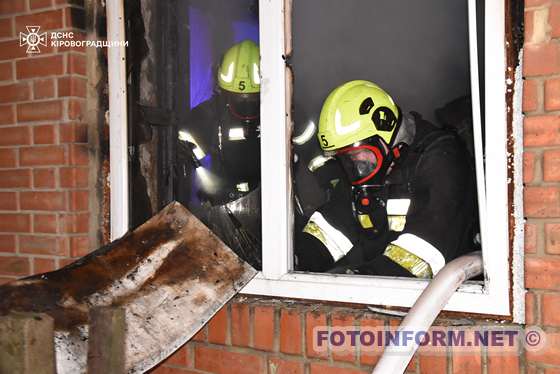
(227, 126)
(224, 134)
(405, 204)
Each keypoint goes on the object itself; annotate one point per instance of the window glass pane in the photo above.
(386, 183)
(218, 131)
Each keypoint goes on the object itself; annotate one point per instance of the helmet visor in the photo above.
(360, 163)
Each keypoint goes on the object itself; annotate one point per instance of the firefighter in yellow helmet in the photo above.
(219, 154)
(406, 201)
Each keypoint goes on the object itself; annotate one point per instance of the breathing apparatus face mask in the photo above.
(367, 164)
(245, 107)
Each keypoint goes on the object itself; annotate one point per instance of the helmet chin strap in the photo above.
(406, 131)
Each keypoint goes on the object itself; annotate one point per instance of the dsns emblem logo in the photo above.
(33, 39)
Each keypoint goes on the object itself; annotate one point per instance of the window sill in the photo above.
(402, 292)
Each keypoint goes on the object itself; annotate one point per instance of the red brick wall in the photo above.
(44, 211)
(44, 195)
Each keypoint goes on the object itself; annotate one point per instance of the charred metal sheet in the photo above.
(171, 275)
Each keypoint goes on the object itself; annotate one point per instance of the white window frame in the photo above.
(276, 278)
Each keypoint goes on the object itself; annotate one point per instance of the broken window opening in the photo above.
(390, 188)
(195, 115)
(278, 278)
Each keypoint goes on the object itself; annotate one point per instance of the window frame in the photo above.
(503, 291)
(493, 297)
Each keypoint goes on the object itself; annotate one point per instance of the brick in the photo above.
(263, 328)
(541, 59)
(316, 368)
(41, 245)
(528, 167)
(35, 4)
(7, 158)
(467, 363)
(314, 320)
(18, 178)
(551, 166)
(79, 200)
(7, 243)
(15, 136)
(436, 364)
(73, 133)
(43, 265)
(11, 93)
(36, 156)
(554, 20)
(223, 362)
(201, 335)
(536, 26)
(10, 49)
(7, 115)
(240, 329)
(6, 71)
(74, 223)
(39, 67)
(280, 366)
(18, 266)
(6, 30)
(79, 246)
(12, 6)
(290, 331)
(76, 64)
(345, 352)
(39, 111)
(48, 20)
(75, 108)
(547, 371)
(44, 178)
(542, 202)
(550, 307)
(550, 354)
(74, 177)
(506, 363)
(541, 131)
(369, 355)
(44, 200)
(530, 238)
(531, 301)
(218, 327)
(63, 262)
(178, 358)
(530, 95)
(552, 234)
(8, 201)
(542, 272)
(551, 94)
(45, 223)
(44, 134)
(43, 89)
(71, 86)
(79, 155)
